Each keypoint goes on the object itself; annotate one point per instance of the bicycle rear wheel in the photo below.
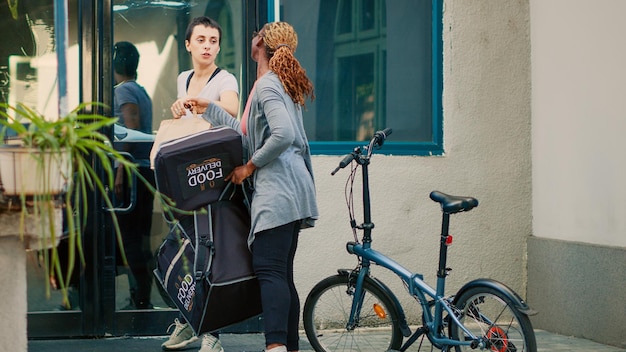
(327, 309)
(489, 314)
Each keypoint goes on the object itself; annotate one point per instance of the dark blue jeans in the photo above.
(273, 252)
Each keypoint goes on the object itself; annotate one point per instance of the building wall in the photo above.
(578, 289)
(576, 259)
(487, 155)
(578, 77)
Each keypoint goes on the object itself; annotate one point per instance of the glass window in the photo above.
(28, 75)
(28, 60)
(157, 29)
(374, 64)
(367, 14)
(344, 20)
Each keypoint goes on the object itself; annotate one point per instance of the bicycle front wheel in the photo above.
(490, 315)
(327, 310)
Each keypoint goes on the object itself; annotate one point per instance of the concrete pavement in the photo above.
(546, 341)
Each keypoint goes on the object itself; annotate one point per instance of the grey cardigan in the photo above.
(284, 189)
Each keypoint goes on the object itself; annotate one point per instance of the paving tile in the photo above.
(546, 341)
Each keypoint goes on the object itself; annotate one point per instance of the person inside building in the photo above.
(133, 106)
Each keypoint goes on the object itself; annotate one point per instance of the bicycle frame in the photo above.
(416, 286)
(483, 314)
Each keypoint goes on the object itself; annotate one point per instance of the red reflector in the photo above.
(448, 240)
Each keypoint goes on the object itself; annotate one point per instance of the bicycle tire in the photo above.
(503, 327)
(327, 309)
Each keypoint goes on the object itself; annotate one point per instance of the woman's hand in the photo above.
(240, 173)
(178, 108)
(197, 105)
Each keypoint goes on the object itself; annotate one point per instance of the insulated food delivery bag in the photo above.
(205, 266)
(191, 170)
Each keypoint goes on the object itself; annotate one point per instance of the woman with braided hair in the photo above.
(279, 162)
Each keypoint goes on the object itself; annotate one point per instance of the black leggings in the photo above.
(273, 252)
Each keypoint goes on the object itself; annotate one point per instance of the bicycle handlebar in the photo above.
(380, 137)
(376, 142)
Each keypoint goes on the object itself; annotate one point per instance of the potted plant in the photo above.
(46, 171)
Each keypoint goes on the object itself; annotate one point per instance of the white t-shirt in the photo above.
(223, 81)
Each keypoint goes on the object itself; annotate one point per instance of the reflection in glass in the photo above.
(121, 6)
(368, 72)
(344, 17)
(28, 60)
(367, 14)
(28, 75)
(356, 97)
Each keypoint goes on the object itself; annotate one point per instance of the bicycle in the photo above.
(351, 310)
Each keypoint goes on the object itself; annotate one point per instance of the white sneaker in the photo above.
(211, 343)
(277, 349)
(181, 337)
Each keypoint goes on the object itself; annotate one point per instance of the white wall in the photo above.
(487, 155)
(579, 120)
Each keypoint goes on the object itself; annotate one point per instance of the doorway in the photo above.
(102, 290)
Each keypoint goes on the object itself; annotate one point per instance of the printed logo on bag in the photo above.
(186, 289)
(203, 174)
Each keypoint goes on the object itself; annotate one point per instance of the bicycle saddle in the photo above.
(453, 204)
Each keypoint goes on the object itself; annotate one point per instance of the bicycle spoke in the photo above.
(490, 316)
(327, 310)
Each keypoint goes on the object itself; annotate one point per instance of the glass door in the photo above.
(28, 71)
(104, 292)
(149, 44)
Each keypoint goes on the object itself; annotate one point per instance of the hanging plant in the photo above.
(59, 156)
(13, 8)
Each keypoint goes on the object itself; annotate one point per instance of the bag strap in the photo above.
(230, 190)
(247, 189)
(217, 70)
(204, 242)
(203, 222)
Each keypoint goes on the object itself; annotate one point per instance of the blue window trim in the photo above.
(434, 147)
(391, 148)
(437, 84)
(270, 13)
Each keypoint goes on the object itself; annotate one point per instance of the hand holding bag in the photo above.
(176, 128)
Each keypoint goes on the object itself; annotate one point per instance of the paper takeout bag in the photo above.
(176, 128)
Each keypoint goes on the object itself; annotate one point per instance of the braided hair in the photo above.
(281, 42)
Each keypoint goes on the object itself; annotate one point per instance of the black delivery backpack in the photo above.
(191, 170)
(204, 263)
(205, 266)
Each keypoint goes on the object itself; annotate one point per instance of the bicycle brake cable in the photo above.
(349, 195)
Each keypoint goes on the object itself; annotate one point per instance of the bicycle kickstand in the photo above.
(419, 332)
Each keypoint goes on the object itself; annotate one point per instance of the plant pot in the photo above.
(28, 171)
